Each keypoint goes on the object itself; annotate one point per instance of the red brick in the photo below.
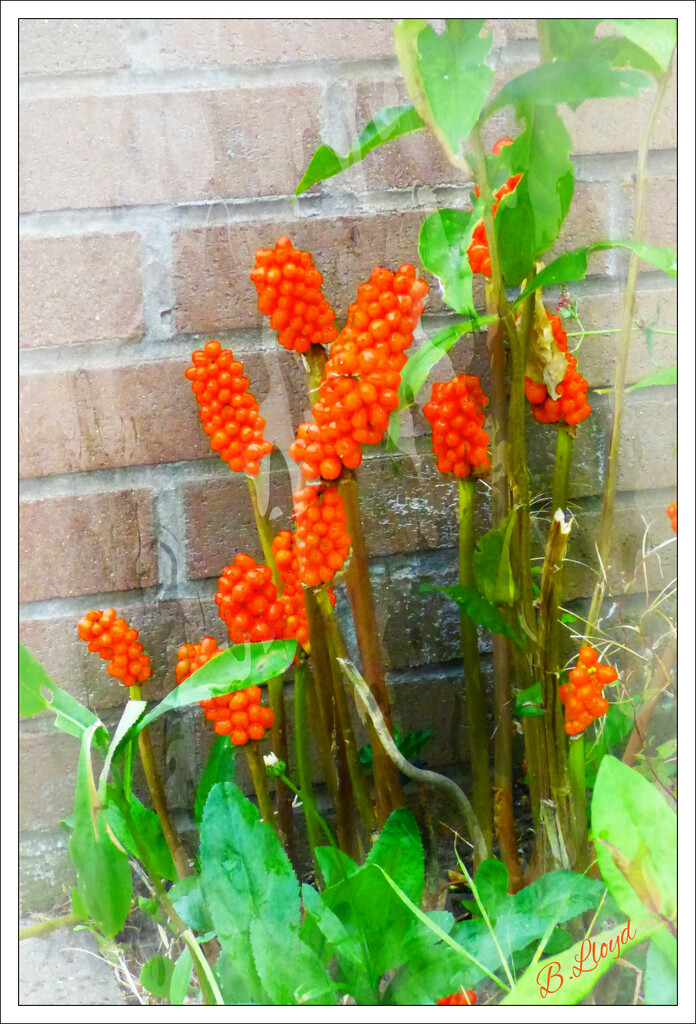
(86, 544)
(56, 46)
(217, 42)
(660, 227)
(47, 771)
(588, 220)
(80, 289)
(174, 147)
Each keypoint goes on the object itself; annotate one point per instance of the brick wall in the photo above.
(155, 157)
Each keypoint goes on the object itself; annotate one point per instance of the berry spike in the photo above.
(229, 413)
(582, 694)
(456, 414)
(321, 541)
(571, 406)
(113, 640)
(247, 601)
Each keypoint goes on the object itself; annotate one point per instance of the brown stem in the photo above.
(257, 770)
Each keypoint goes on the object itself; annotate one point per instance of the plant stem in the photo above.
(561, 469)
(387, 785)
(304, 771)
(257, 770)
(578, 794)
(325, 728)
(159, 798)
(320, 821)
(477, 710)
(612, 477)
(52, 924)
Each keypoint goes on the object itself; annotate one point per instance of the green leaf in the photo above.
(555, 977)
(528, 703)
(236, 973)
(399, 851)
(610, 733)
(148, 906)
(335, 866)
(657, 36)
(569, 81)
(559, 896)
(568, 36)
(491, 881)
(148, 828)
(492, 568)
(241, 666)
(635, 834)
(245, 873)
(480, 610)
(290, 971)
(187, 899)
(529, 219)
(665, 377)
(181, 978)
(455, 76)
(388, 124)
(131, 713)
(419, 365)
(660, 983)
(103, 873)
(156, 976)
(442, 248)
(71, 716)
(572, 266)
(220, 767)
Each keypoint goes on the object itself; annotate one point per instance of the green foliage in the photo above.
(156, 976)
(492, 568)
(442, 246)
(409, 744)
(187, 899)
(289, 970)
(130, 715)
(419, 365)
(528, 702)
(657, 36)
(142, 824)
(480, 610)
(610, 733)
(220, 767)
(181, 978)
(569, 36)
(666, 377)
(388, 124)
(71, 716)
(660, 983)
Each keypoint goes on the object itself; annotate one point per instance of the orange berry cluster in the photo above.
(114, 641)
(571, 405)
(294, 623)
(289, 290)
(582, 694)
(461, 998)
(238, 715)
(672, 513)
(320, 541)
(359, 389)
(479, 257)
(230, 415)
(247, 601)
(455, 412)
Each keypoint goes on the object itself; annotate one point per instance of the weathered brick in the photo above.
(86, 544)
(46, 872)
(47, 770)
(520, 28)
(173, 147)
(588, 221)
(660, 227)
(80, 289)
(58, 46)
(212, 266)
(218, 42)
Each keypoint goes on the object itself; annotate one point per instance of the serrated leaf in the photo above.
(492, 567)
(657, 36)
(572, 266)
(635, 833)
(156, 976)
(491, 881)
(335, 866)
(569, 81)
(666, 377)
(528, 702)
(291, 973)
(181, 978)
(388, 124)
(220, 767)
(480, 610)
(442, 248)
(399, 851)
(71, 716)
(559, 896)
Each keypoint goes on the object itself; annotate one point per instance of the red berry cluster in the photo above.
(455, 412)
(359, 389)
(294, 624)
(672, 513)
(114, 641)
(582, 694)
(238, 715)
(571, 405)
(230, 415)
(289, 290)
(479, 257)
(247, 601)
(465, 997)
(321, 541)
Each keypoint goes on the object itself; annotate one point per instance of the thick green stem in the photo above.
(257, 771)
(578, 794)
(561, 470)
(610, 487)
(304, 770)
(35, 931)
(477, 709)
(387, 784)
(324, 723)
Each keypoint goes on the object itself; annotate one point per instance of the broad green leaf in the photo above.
(419, 365)
(71, 716)
(219, 767)
(399, 851)
(245, 873)
(131, 713)
(665, 377)
(572, 266)
(635, 835)
(442, 248)
(610, 732)
(528, 702)
(241, 666)
(568, 36)
(290, 971)
(455, 76)
(491, 881)
(657, 36)
(388, 124)
(569, 81)
(326, 934)
(156, 976)
(551, 982)
(492, 569)
(187, 899)
(529, 219)
(181, 978)
(480, 610)
(559, 896)
(236, 973)
(148, 828)
(660, 981)
(103, 873)
(334, 865)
